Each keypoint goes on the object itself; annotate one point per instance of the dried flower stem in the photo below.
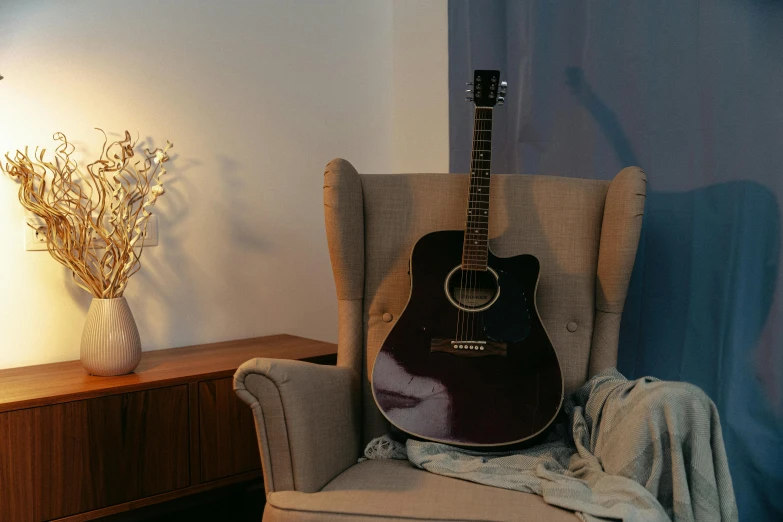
(95, 222)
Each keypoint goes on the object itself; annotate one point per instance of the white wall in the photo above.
(256, 98)
(420, 115)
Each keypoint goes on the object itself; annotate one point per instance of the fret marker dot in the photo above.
(475, 242)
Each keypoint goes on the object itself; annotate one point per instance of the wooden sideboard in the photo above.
(77, 447)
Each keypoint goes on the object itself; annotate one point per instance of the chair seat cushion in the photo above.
(395, 490)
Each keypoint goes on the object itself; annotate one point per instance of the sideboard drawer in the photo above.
(228, 435)
(73, 457)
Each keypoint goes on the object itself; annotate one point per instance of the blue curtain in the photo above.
(692, 92)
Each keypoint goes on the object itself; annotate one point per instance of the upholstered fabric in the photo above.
(559, 220)
(343, 208)
(584, 232)
(350, 338)
(306, 419)
(344, 218)
(620, 229)
(394, 490)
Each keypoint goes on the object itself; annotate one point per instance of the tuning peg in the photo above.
(468, 98)
(503, 85)
(501, 100)
(468, 83)
(468, 90)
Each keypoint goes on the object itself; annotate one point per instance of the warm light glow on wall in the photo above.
(257, 99)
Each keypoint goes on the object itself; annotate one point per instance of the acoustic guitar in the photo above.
(469, 362)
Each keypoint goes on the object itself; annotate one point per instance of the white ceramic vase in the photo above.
(110, 341)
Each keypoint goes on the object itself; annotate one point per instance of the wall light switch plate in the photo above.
(151, 234)
(34, 234)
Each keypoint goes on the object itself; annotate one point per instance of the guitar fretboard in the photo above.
(476, 246)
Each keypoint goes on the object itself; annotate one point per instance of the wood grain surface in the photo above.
(67, 381)
(83, 447)
(227, 432)
(68, 458)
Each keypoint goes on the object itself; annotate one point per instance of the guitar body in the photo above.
(502, 385)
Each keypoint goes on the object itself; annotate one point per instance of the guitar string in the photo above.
(474, 203)
(468, 326)
(486, 137)
(479, 203)
(466, 293)
(461, 319)
(476, 213)
(474, 178)
(460, 313)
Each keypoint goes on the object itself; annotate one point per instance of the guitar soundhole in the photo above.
(472, 290)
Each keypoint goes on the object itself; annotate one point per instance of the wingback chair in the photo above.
(313, 421)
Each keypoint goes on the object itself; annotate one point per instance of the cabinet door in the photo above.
(78, 456)
(228, 441)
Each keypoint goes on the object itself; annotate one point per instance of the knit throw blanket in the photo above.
(638, 451)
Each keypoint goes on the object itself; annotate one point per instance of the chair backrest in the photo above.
(584, 233)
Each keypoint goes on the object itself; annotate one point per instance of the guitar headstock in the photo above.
(487, 89)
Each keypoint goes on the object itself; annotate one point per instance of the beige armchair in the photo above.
(313, 421)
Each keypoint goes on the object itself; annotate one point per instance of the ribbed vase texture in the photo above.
(110, 341)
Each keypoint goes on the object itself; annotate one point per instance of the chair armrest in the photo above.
(306, 419)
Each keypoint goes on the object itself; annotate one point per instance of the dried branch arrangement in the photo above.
(95, 221)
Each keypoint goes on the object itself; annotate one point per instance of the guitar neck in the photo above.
(476, 246)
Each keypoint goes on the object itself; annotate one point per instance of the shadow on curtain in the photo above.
(693, 93)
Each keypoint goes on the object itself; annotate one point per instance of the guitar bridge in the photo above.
(468, 348)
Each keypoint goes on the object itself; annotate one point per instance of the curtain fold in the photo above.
(692, 92)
